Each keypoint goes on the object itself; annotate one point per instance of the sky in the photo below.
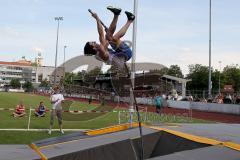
(169, 32)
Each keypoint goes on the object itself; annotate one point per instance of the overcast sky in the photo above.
(169, 31)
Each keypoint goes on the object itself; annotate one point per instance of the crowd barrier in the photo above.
(201, 106)
(209, 107)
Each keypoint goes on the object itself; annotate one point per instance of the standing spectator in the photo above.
(102, 99)
(41, 110)
(20, 110)
(112, 96)
(90, 99)
(158, 103)
(164, 96)
(56, 99)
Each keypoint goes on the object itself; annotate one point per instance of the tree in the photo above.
(231, 76)
(15, 83)
(215, 80)
(44, 83)
(175, 70)
(28, 86)
(116, 71)
(92, 74)
(199, 76)
(95, 72)
(68, 79)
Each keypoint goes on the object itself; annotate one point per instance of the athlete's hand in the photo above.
(95, 15)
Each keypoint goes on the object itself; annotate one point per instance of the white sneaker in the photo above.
(62, 131)
(49, 131)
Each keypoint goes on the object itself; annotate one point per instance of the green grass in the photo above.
(23, 137)
(71, 121)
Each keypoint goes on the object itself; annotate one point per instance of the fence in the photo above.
(155, 118)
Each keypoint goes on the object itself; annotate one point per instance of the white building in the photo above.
(25, 71)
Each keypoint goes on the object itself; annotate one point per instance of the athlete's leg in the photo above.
(113, 25)
(124, 29)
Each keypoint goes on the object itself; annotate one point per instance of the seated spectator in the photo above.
(220, 99)
(190, 98)
(41, 110)
(209, 100)
(237, 100)
(20, 110)
(204, 100)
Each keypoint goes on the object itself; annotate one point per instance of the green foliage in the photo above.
(116, 71)
(28, 86)
(231, 76)
(215, 80)
(68, 78)
(44, 83)
(175, 70)
(15, 83)
(90, 76)
(83, 76)
(199, 76)
(94, 72)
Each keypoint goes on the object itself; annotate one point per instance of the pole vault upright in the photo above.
(134, 36)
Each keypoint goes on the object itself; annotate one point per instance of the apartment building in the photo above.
(25, 71)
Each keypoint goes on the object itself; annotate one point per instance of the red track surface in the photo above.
(210, 116)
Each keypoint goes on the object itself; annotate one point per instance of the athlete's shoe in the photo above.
(116, 11)
(62, 131)
(49, 131)
(130, 16)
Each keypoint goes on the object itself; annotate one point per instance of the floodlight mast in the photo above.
(210, 50)
(134, 37)
(56, 55)
(132, 96)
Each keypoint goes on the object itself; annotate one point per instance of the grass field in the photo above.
(71, 121)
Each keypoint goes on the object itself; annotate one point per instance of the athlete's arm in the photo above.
(103, 42)
(100, 29)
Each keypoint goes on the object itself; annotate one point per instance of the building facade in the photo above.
(27, 71)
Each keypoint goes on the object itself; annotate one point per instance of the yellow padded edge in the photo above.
(35, 148)
(110, 129)
(232, 145)
(190, 137)
(199, 139)
(98, 131)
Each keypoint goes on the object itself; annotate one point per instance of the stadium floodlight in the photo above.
(210, 50)
(59, 18)
(55, 73)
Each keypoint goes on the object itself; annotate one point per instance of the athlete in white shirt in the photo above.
(56, 99)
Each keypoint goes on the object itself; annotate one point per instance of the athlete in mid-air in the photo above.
(119, 52)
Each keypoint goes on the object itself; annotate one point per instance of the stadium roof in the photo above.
(91, 61)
